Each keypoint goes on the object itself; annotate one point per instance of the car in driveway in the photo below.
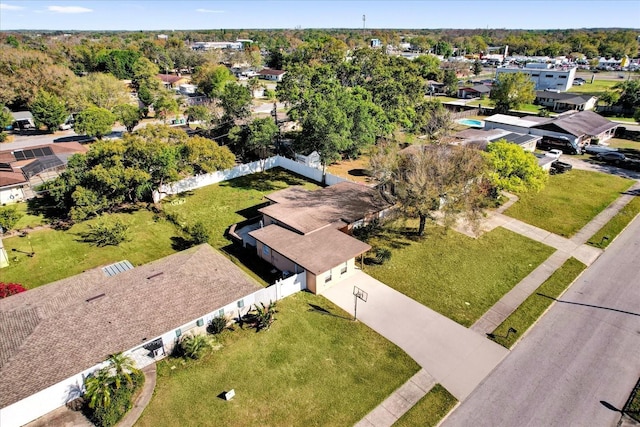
(614, 157)
(597, 149)
(558, 167)
(554, 153)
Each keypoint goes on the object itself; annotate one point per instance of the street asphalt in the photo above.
(580, 362)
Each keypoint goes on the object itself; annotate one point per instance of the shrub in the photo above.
(261, 317)
(8, 289)
(382, 255)
(120, 403)
(198, 233)
(9, 217)
(217, 325)
(106, 232)
(194, 346)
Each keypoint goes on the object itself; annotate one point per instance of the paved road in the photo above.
(457, 357)
(584, 351)
(599, 167)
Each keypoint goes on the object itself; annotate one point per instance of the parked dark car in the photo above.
(597, 149)
(558, 167)
(611, 157)
(561, 143)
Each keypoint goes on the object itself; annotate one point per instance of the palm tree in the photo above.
(98, 388)
(121, 366)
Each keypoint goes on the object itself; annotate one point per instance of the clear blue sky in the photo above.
(183, 15)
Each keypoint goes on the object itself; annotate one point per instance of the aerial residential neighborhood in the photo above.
(333, 214)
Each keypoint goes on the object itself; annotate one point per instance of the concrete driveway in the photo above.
(455, 356)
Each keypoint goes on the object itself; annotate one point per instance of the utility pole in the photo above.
(364, 21)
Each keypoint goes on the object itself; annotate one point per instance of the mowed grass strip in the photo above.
(569, 201)
(535, 305)
(453, 274)
(218, 206)
(429, 410)
(615, 225)
(308, 369)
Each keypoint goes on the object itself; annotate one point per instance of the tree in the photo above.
(511, 91)
(441, 179)
(128, 115)
(451, 82)
(165, 105)
(235, 101)
(9, 217)
(477, 67)
(121, 367)
(205, 156)
(107, 232)
(199, 113)
(636, 115)
(48, 110)
(98, 388)
(97, 89)
(513, 169)
(144, 71)
(257, 136)
(253, 84)
(5, 120)
(194, 346)
(211, 79)
(94, 121)
(629, 94)
(8, 289)
(120, 63)
(434, 121)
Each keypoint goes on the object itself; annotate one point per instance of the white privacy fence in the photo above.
(203, 180)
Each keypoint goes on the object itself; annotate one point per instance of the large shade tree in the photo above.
(511, 91)
(513, 169)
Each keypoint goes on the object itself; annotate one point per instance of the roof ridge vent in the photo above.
(155, 275)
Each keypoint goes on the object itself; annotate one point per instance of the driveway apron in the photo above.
(457, 357)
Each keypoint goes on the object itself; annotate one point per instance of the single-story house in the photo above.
(53, 336)
(482, 137)
(560, 102)
(271, 74)
(474, 91)
(578, 128)
(19, 166)
(173, 81)
(310, 231)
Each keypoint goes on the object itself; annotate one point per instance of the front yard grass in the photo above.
(535, 305)
(308, 369)
(455, 275)
(569, 201)
(28, 219)
(615, 225)
(429, 410)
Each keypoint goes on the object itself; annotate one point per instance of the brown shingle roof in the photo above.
(271, 72)
(51, 333)
(584, 123)
(316, 252)
(11, 178)
(306, 211)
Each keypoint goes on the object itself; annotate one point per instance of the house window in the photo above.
(241, 303)
(563, 77)
(327, 278)
(221, 312)
(535, 75)
(265, 250)
(549, 76)
(344, 268)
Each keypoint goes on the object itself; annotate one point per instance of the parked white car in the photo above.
(555, 153)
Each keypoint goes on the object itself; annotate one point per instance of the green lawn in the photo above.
(597, 88)
(569, 201)
(429, 410)
(456, 275)
(28, 220)
(535, 305)
(615, 225)
(309, 369)
(221, 205)
(60, 254)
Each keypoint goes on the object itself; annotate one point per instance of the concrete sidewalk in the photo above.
(566, 248)
(456, 357)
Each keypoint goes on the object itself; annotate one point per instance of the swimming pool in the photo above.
(471, 122)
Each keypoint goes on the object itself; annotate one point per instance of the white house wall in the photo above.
(44, 401)
(11, 195)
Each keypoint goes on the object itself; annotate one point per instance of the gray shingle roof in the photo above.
(580, 123)
(306, 211)
(55, 331)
